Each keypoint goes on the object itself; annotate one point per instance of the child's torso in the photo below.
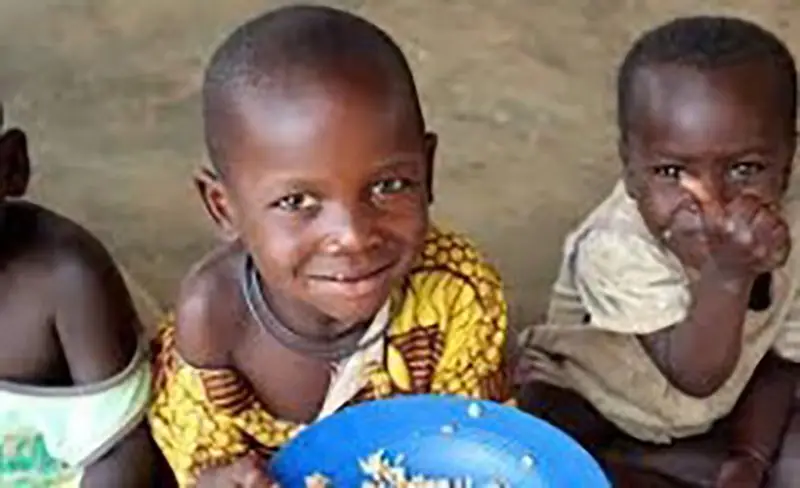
(272, 398)
(30, 351)
(441, 332)
(288, 383)
(264, 362)
(30, 354)
(45, 439)
(655, 289)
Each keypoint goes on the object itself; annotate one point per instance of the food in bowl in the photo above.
(384, 473)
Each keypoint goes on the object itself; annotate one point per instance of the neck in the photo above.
(306, 321)
(300, 317)
(316, 338)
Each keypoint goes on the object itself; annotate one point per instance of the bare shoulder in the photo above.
(209, 308)
(66, 250)
(78, 281)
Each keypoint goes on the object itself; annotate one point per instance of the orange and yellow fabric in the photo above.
(446, 335)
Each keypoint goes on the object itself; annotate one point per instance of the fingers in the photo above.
(758, 227)
(688, 221)
(249, 472)
(696, 188)
(776, 245)
(763, 221)
(764, 225)
(673, 211)
(694, 223)
(678, 222)
(256, 480)
(742, 214)
(713, 213)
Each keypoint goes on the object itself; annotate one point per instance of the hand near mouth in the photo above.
(746, 237)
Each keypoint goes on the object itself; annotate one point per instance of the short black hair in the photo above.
(706, 42)
(310, 43)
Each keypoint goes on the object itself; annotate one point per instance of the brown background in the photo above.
(520, 91)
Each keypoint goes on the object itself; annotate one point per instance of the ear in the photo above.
(628, 176)
(216, 202)
(431, 142)
(16, 163)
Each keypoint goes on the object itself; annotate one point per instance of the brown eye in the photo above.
(391, 186)
(670, 171)
(744, 170)
(296, 202)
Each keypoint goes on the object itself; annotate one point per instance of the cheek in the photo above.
(769, 188)
(659, 202)
(406, 217)
(275, 246)
(637, 177)
(778, 183)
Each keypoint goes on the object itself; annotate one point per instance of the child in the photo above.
(74, 385)
(676, 297)
(332, 287)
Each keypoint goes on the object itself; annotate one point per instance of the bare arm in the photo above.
(97, 326)
(762, 414)
(739, 240)
(136, 451)
(700, 353)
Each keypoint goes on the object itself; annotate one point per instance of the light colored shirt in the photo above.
(49, 435)
(618, 282)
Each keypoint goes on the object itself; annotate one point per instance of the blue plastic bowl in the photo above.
(439, 437)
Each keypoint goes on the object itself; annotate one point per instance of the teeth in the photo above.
(339, 277)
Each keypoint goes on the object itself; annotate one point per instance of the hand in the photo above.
(759, 233)
(740, 472)
(674, 216)
(246, 472)
(745, 238)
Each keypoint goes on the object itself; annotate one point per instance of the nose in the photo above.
(350, 230)
(715, 187)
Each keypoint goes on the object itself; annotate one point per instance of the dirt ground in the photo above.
(521, 93)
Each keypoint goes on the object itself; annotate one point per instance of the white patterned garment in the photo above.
(49, 435)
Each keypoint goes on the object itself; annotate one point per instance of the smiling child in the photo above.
(332, 285)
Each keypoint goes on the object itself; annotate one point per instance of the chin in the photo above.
(357, 313)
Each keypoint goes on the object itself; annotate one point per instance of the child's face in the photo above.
(724, 128)
(328, 191)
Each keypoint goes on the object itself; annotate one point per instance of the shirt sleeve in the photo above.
(473, 356)
(188, 430)
(787, 345)
(627, 284)
(189, 434)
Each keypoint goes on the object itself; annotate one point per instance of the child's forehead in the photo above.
(307, 115)
(747, 87)
(722, 108)
(317, 132)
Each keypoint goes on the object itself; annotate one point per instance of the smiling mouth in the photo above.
(354, 277)
(355, 285)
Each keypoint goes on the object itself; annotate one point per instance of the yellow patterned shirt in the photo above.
(446, 336)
